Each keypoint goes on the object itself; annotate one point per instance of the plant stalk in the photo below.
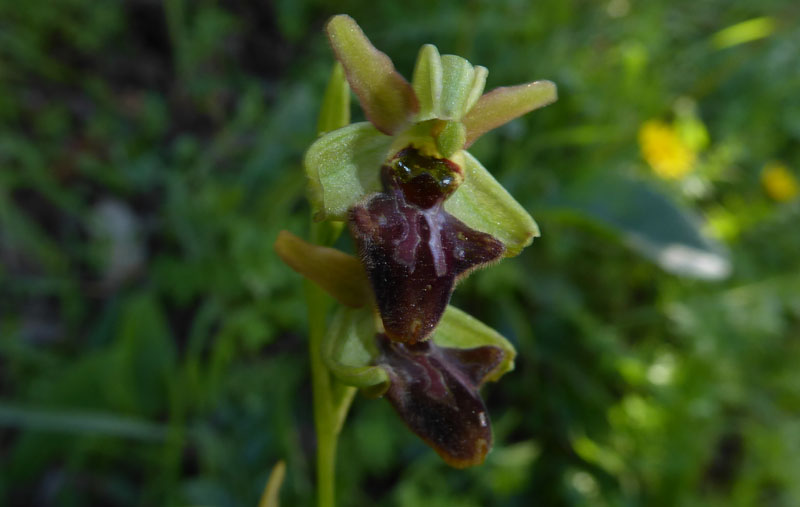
(330, 406)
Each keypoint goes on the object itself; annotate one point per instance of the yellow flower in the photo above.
(779, 183)
(664, 150)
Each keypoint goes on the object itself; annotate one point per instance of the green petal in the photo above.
(483, 204)
(335, 110)
(427, 82)
(457, 76)
(476, 88)
(446, 86)
(460, 330)
(502, 105)
(386, 97)
(349, 350)
(342, 167)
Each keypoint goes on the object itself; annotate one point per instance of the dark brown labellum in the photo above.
(435, 391)
(412, 249)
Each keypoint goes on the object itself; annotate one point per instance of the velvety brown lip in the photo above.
(435, 391)
(412, 249)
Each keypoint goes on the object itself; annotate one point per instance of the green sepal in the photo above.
(483, 204)
(342, 167)
(462, 331)
(349, 349)
(335, 110)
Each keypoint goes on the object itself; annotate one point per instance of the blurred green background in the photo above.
(152, 346)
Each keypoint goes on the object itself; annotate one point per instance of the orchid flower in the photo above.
(423, 213)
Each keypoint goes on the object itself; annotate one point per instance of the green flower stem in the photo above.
(323, 402)
(331, 399)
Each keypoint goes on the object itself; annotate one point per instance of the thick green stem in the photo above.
(331, 401)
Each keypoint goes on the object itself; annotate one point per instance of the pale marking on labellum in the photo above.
(406, 244)
(435, 218)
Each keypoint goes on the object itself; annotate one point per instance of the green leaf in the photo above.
(745, 31)
(335, 110)
(349, 349)
(144, 356)
(460, 330)
(427, 82)
(483, 204)
(386, 97)
(271, 495)
(74, 421)
(650, 223)
(503, 104)
(342, 167)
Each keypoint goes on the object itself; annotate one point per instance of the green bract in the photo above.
(440, 113)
